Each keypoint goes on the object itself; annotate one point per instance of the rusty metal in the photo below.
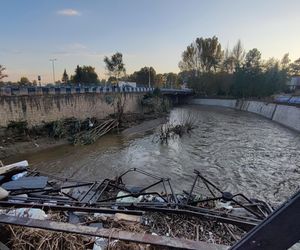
(110, 233)
(68, 208)
(278, 231)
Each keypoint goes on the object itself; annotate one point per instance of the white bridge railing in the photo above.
(20, 91)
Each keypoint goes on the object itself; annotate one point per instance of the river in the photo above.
(239, 151)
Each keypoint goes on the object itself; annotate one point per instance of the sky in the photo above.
(147, 32)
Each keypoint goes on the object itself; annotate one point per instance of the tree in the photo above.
(24, 81)
(203, 55)
(295, 67)
(190, 60)
(210, 52)
(285, 61)
(228, 62)
(142, 76)
(172, 80)
(85, 75)
(160, 80)
(115, 65)
(65, 77)
(253, 59)
(238, 54)
(2, 75)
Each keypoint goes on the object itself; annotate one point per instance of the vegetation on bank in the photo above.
(155, 102)
(209, 70)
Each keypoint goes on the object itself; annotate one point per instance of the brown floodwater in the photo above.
(239, 151)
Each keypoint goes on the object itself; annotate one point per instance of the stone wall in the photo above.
(45, 108)
(288, 116)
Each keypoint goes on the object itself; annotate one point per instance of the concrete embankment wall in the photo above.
(37, 109)
(288, 116)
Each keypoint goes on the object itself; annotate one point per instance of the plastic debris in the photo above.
(3, 193)
(19, 175)
(128, 199)
(100, 244)
(32, 213)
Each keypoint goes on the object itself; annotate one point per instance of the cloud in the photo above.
(68, 12)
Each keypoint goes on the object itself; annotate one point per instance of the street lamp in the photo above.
(53, 60)
(149, 85)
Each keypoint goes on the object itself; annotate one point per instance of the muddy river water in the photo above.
(239, 151)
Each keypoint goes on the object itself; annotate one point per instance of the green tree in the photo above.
(203, 55)
(285, 61)
(295, 68)
(210, 52)
(85, 75)
(228, 64)
(2, 74)
(253, 59)
(172, 80)
(65, 77)
(142, 76)
(115, 65)
(190, 61)
(24, 81)
(238, 54)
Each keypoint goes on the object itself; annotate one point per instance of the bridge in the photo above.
(25, 91)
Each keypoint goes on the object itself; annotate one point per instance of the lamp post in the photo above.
(53, 71)
(149, 85)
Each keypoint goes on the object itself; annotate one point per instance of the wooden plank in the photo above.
(110, 233)
(19, 166)
(32, 182)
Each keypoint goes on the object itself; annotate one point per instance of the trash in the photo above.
(126, 217)
(19, 175)
(21, 196)
(98, 225)
(73, 219)
(102, 216)
(32, 213)
(2, 177)
(225, 205)
(18, 166)
(3, 193)
(128, 199)
(100, 244)
(36, 182)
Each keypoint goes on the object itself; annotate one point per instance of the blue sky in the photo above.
(147, 32)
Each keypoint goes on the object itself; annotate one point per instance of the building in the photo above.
(127, 84)
(294, 84)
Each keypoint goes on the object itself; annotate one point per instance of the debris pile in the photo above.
(120, 212)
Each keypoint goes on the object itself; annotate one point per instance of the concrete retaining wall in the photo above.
(46, 108)
(215, 102)
(288, 116)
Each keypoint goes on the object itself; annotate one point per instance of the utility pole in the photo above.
(53, 71)
(149, 85)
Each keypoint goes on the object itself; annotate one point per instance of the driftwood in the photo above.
(143, 238)
(90, 136)
(14, 167)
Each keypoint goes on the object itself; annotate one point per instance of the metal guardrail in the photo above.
(287, 99)
(21, 91)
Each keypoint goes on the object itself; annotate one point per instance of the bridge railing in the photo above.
(20, 91)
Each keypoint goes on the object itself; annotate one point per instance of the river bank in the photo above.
(286, 115)
(132, 124)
